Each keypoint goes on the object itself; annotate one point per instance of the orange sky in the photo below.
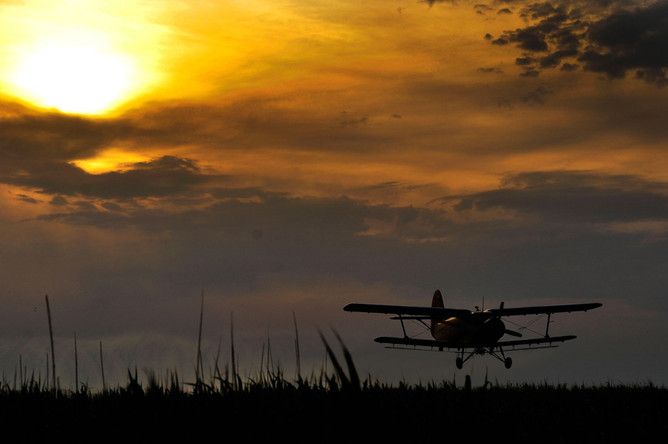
(323, 99)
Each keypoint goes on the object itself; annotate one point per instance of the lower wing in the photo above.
(449, 345)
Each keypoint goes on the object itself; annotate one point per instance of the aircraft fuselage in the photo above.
(479, 329)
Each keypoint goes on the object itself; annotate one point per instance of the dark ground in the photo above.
(319, 414)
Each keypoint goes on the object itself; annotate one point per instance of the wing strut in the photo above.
(403, 327)
(547, 327)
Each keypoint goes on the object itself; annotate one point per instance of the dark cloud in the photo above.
(111, 206)
(627, 40)
(539, 10)
(524, 61)
(575, 197)
(490, 70)
(536, 96)
(433, 2)
(58, 201)
(27, 199)
(347, 119)
(167, 175)
(556, 198)
(39, 141)
(553, 26)
(526, 39)
(235, 211)
(613, 41)
(482, 8)
(37, 150)
(530, 73)
(44, 136)
(555, 58)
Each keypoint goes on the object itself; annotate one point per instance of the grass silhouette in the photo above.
(326, 407)
(321, 406)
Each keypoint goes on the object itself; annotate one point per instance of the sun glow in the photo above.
(113, 159)
(78, 72)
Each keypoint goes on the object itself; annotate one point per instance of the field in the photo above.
(324, 414)
(327, 407)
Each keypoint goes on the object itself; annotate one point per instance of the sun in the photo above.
(78, 73)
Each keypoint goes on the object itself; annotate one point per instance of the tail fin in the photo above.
(436, 302)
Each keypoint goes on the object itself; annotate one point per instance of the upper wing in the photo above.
(442, 344)
(542, 309)
(407, 310)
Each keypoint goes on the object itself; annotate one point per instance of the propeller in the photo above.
(512, 333)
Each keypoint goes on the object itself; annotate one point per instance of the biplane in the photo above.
(469, 333)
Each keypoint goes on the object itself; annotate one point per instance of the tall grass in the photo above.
(53, 351)
(324, 405)
(104, 382)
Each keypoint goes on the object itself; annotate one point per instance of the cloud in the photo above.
(523, 61)
(433, 2)
(611, 38)
(48, 136)
(244, 212)
(27, 199)
(166, 175)
(627, 40)
(536, 96)
(37, 148)
(58, 201)
(525, 205)
(575, 197)
(482, 8)
(490, 70)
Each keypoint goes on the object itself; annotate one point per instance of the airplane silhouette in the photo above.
(469, 333)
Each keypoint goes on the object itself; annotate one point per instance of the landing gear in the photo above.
(508, 362)
(492, 351)
(461, 359)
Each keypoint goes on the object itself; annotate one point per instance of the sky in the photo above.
(296, 156)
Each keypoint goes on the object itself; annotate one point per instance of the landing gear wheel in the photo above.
(459, 362)
(508, 362)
